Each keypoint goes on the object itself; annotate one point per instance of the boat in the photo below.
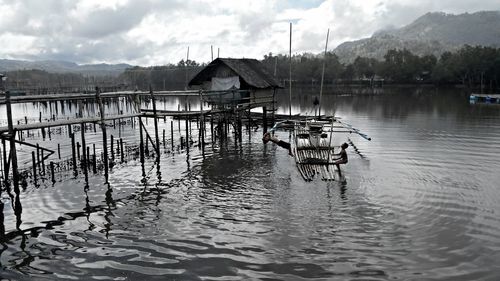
(313, 148)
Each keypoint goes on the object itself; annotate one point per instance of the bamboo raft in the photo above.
(314, 153)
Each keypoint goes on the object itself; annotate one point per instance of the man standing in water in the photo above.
(267, 137)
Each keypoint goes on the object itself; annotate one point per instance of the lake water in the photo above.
(421, 201)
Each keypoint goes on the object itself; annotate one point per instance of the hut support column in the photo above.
(141, 143)
(264, 119)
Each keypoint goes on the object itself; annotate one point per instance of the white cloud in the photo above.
(159, 31)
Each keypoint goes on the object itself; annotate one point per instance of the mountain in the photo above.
(432, 33)
(63, 67)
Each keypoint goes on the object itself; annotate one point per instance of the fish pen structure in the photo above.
(213, 119)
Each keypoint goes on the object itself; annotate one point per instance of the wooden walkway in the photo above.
(38, 125)
(91, 95)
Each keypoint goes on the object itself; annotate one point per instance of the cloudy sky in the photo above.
(156, 32)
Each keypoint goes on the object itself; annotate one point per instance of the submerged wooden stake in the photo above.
(33, 158)
(52, 172)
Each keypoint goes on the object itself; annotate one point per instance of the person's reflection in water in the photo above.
(108, 213)
(343, 189)
(18, 211)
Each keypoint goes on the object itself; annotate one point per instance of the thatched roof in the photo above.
(251, 71)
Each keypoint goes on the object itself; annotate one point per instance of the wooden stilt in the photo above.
(33, 158)
(52, 172)
(104, 136)
(12, 136)
(73, 153)
(157, 138)
(172, 133)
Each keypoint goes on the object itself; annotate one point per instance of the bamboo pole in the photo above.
(157, 138)
(323, 73)
(141, 141)
(290, 74)
(12, 137)
(33, 158)
(172, 133)
(73, 153)
(104, 136)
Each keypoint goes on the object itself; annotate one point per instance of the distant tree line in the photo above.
(165, 77)
(43, 82)
(470, 66)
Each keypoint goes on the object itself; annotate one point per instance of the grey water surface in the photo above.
(421, 201)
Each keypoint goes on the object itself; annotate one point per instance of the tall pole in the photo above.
(12, 141)
(104, 133)
(157, 138)
(323, 74)
(186, 65)
(290, 76)
(212, 51)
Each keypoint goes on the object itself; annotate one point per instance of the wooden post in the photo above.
(290, 74)
(52, 172)
(112, 150)
(157, 138)
(5, 162)
(187, 134)
(202, 122)
(78, 149)
(323, 74)
(212, 127)
(164, 142)
(88, 163)
(38, 161)
(33, 158)
(94, 162)
(264, 119)
(122, 154)
(240, 134)
(172, 133)
(104, 136)
(12, 136)
(84, 154)
(43, 161)
(73, 153)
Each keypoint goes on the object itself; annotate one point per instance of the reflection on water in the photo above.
(418, 202)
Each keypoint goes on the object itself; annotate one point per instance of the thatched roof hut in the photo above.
(228, 73)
